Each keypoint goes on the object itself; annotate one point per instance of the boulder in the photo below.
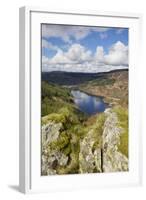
(51, 158)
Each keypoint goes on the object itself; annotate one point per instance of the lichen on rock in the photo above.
(113, 160)
(74, 148)
(90, 154)
(51, 131)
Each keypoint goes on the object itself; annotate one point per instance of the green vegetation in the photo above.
(112, 86)
(122, 114)
(102, 82)
(52, 90)
(54, 98)
(98, 130)
(61, 142)
(57, 107)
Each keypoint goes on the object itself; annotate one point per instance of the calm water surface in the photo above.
(87, 103)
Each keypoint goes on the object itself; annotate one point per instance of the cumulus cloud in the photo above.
(118, 55)
(66, 33)
(80, 59)
(99, 55)
(76, 54)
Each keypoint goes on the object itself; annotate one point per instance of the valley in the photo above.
(84, 122)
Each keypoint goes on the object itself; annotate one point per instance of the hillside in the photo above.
(73, 142)
(74, 78)
(113, 86)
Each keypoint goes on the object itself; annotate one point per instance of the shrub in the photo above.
(55, 117)
(61, 142)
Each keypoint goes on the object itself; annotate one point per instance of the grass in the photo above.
(98, 130)
(61, 142)
(54, 98)
(102, 82)
(122, 114)
(52, 90)
(58, 107)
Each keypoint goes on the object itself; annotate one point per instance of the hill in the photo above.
(75, 143)
(113, 86)
(74, 78)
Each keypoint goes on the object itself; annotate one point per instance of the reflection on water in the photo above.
(87, 103)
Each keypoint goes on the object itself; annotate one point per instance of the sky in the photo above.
(83, 48)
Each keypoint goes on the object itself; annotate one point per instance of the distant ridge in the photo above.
(74, 78)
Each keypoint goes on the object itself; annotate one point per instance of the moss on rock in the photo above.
(122, 114)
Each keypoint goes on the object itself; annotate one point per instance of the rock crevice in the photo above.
(97, 151)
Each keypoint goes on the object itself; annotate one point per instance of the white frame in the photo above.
(30, 180)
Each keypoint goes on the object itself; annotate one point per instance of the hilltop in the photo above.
(74, 78)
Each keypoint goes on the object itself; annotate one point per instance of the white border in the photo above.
(30, 179)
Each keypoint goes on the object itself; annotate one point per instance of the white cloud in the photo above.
(76, 54)
(80, 59)
(55, 31)
(66, 33)
(103, 35)
(48, 45)
(100, 29)
(118, 55)
(120, 30)
(99, 55)
(59, 58)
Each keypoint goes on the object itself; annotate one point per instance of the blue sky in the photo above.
(84, 49)
(109, 38)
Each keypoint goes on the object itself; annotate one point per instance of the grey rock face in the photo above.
(105, 157)
(89, 159)
(51, 131)
(51, 158)
(113, 160)
(97, 152)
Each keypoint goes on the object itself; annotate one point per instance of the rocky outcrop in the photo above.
(51, 157)
(113, 160)
(95, 152)
(104, 157)
(51, 131)
(89, 157)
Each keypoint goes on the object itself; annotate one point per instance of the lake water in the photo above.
(87, 103)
